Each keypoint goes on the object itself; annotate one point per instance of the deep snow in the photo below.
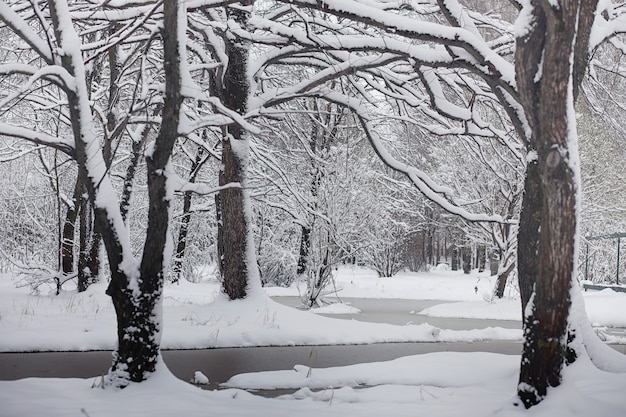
(195, 315)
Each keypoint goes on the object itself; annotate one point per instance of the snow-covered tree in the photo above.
(463, 59)
(444, 66)
(135, 284)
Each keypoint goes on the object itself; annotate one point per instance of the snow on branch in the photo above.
(120, 35)
(40, 138)
(276, 97)
(12, 154)
(457, 16)
(180, 185)
(610, 21)
(22, 29)
(224, 117)
(436, 193)
(479, 53)
(88, 149)
(53, 73)
(437, 97)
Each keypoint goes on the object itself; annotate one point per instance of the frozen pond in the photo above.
(400, 312)
(221, 364)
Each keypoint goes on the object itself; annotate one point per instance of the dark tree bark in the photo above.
(494, 262)
(220, 229)
(466, 258)
(93, 261)
(481, 253)
(129, 178)
(89, 246)
(528, 234)
(548, 46)
(501, 280)
(234, 223)
(181, 245)
(455, 258)
(305, 246)
(83, 239)
(136, 306)
(69, 230)
(235, 217)
(429, 246)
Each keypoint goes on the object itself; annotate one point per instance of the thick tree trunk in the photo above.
(89, 247)
(233, 236)
(220, 229)
(93, 261)
(135, 291)
(482, 258)
(528, 234)
(138, 329)
(234, 224)
(139, 310)
(546, 87)
(181, 245)
(494, 263)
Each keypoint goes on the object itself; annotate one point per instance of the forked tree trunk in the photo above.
(135, 292)
(139, 315)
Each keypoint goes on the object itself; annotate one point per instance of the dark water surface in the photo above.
(221, 364)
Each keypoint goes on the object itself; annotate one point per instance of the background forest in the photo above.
(320, 194)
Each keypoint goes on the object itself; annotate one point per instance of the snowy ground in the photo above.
(195, 315)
